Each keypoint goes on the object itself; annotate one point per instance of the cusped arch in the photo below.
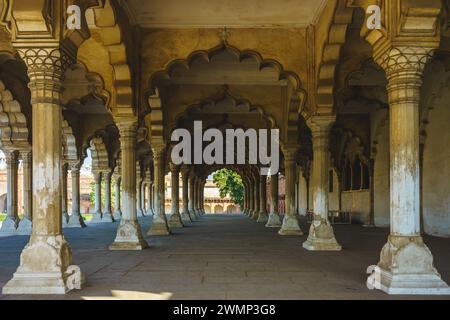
(69, 144)
(103, 18)
(13, 123)
(337, 36)
(99, 154)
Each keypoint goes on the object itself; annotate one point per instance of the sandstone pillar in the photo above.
(185, 216)
(129, 234)
(251, 196)
(117, 204)
(25, 225)
(263, 217)
(175, 217)
(256, 196)
(406, 263)
(11, 222)
(274, 217)
(45, 262)
(139, 210)
(150, 194)
(75, 219)
(192, 196)
(107, 212)
(97, 216)
(159, 225)
(290, 224)
(321, 235)
(65, 214)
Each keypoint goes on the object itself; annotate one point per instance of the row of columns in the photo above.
(12, 224)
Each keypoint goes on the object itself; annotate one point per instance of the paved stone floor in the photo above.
(222, 257)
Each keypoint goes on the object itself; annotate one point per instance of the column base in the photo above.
(254, 215)
(290, 226)
(140, 213)
(129, 236)
(273, 221)
(107, 217)
(117, 215)
(45, 268)
(192, 215)
(76, 221)
(159, 227)
(321, 237)
(175, 221)
(262, 217)
(96, 218)
(25, 227)
(185, 217)
(406, 267)
(9, 227)
(65, 217)
(150, 212)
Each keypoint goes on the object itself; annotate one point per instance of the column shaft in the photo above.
(274, 220)
(129, 234)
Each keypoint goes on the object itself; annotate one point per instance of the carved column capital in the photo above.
(405, 60)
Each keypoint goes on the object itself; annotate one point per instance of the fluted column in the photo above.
(129, 234)
(274, 216)
(25, 225)
(11, 222)
(97, 216)
(263, 217)
(321, 235)
(290, 224)
(45, 262)
(65, 214)
(192, 196)
(75, 219)
(159, 225)
(185, 216)
(406, 263)
(107, 212)
(117, 204)
(175, 217)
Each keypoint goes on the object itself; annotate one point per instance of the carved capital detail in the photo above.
(405, 60)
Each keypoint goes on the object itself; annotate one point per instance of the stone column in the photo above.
(274, 217)
(251, 194)
(199, 197)
(25, 225)
(196, 193)
(290, 224)
(150, 198)
(45, 262)
(244, 202)
(139, 210)
(75, 219)
(117, 204)
(107, 212)
(406, 263)
(192, 196)
(202, 197)
(129, 234)
(263, 217)
(65, 214)
(256, 196)
(97, 216)
(11, 222)
(175, 217)
(321, 235)
(185, 216)
(159, 225)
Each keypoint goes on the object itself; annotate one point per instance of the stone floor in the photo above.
(223, 257)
